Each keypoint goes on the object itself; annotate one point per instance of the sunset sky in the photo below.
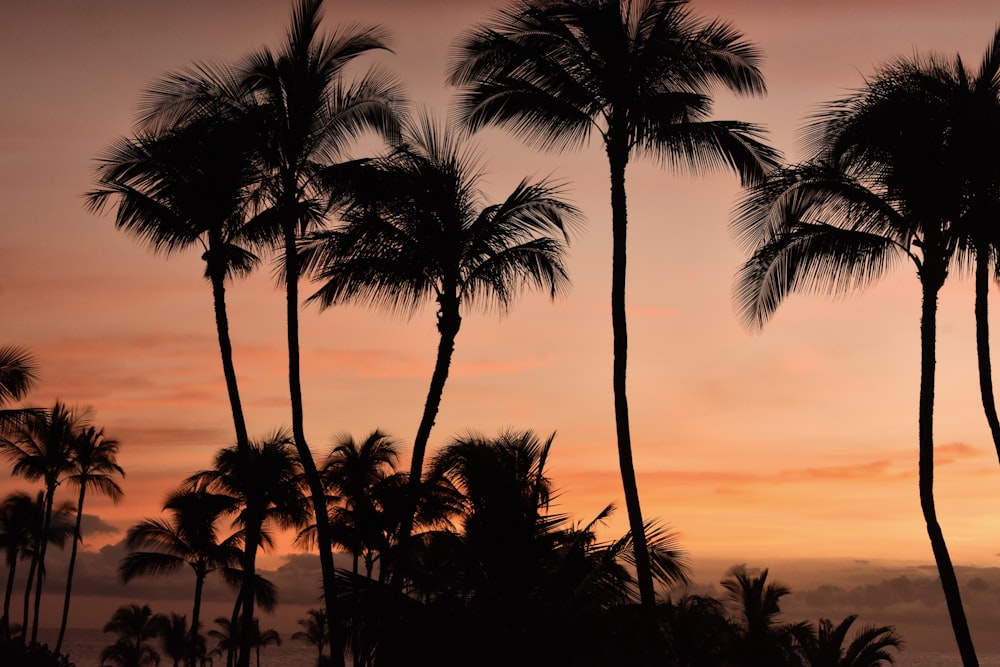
(799, 442)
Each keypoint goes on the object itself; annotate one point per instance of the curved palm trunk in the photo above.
(983, 342)
(618, 159)
(324, 536)
(946, 571)
(449, 322)
(228, 367)
(42, 548)
(72, 564)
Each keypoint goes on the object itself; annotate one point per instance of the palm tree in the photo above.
(315, 631)
(416, 227)
(190, 538)
(867, 199)
(190, 184)
(175, 640)
(21, 519)
(134, 627)
(639, 74)
(41, 449)
(95, 467)
(264, 483)
(823, 645)
(18, 372)
(755, 605)
(263, 638)
(354, 473)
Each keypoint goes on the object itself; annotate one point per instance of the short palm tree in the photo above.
(18, 372)
(21, 519)
(95, 466)
(41, 448)
(264, 484)
(191, 184)
(637, 73)
(755, 606)
(877, 191)
(190, 538)
(315, 631)
(135, 627)
(823, 645)
(416, 228)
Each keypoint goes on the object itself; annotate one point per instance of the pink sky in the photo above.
(799, 442)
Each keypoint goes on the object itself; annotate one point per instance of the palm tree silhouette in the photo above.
(95, 466)
(191, 184)
(21, 519)
(416, 227)
(315, 631)
(866, 200)
(755, 605)
(41, 449)
(823, 645)
(18, 372)
(190, 538)
(264, 484)
(639, 74)
(354, 473)
(134, 626)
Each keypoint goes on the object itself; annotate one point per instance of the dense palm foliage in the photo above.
(94, 468)
(638, 74)
(823, 645)
(866, 200)
(18, 372)
(416, 228)
(135, 627)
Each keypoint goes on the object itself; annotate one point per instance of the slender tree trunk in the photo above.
(42, 548)
(449, 322)
(618, 159)
(247, 594)
(946, 571)
(228, 367)
(72, 564)
(324, 536)
(32, 569)
(983, 342)
(8, 593)
(199, 585)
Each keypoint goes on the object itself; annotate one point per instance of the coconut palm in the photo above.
(95, 466)
(190, 185)
(175, 640)
(21, 519)
(189, 538)
(134, 626)
(18, 372)
(416, 227)
(315, 631)
(755, 605)
(264, 483)
(637, 73)
(823, 645)
(41, 449)
(866, 200)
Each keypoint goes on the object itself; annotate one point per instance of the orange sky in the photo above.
(797, 442)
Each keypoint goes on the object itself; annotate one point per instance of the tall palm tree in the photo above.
(315, 631)
(417, 227)
(823, 645)
(755, 606)
(41, 449)
(637, 73)
(95, 466)
(18, 372)
(866, 200)
(134, 626)
(191, 184)
(264, 483)
(354, 472)
(190, 538)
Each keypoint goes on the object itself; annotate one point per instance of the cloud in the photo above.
(91, 524)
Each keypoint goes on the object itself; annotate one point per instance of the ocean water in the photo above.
(84, 649)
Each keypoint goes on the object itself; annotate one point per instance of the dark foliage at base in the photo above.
(15, 654)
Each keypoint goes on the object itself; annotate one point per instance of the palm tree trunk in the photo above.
(449, 323)
(72, 564)
(8, 593)
(247, 594)
(228, 367)
(199, 584)
(618, 159)
(983, 342)
(32, 569)
(324, 536)
(42, 548)
(946, 571)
